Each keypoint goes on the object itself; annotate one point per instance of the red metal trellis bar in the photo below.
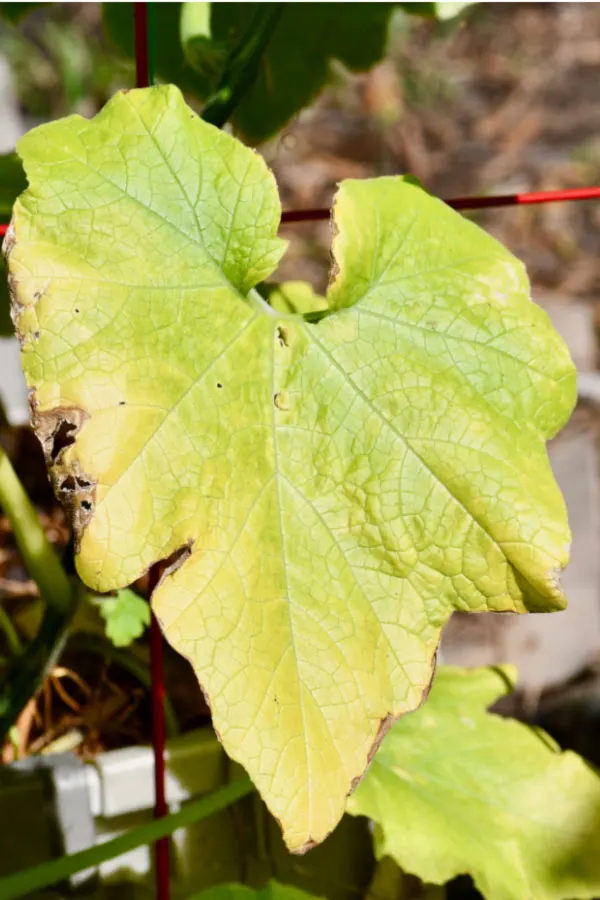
(464, 203)
(159, 737)
(143, 75)
(461, 203)
(143, 78)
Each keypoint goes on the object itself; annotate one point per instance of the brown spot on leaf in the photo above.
(335, 268)
(281, 400)
(77, 494)
(306, 846)
(62, 438)
(56, 430)
(16, 308)
(8, 242)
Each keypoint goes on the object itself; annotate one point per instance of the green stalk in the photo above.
(12, 638)
(36, 550)
(48, 873)
(25, 674)
(243, 65)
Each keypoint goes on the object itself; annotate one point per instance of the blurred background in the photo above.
(504, 99)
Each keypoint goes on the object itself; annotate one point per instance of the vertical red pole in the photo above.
(143, 78)
(142, 55)
(157, 692)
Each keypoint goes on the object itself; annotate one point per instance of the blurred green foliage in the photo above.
(199, 40)
(60, 60)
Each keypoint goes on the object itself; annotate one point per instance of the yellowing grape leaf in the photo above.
(335, 487)
(454, 789)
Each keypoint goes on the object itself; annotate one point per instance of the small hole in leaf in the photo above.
(281, 400)
(219, 385)
(83, 483)
(282, 336)
(121, 403)
(76, 309)
(68, 484)
(85, 504)
(64, 436)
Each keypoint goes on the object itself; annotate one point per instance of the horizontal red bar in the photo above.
(589, 193)
(465, 203)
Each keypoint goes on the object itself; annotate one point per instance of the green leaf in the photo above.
(389, 882)
(454, 789)
(6, 324)
(14, 12)
(206, 55)
(12, 183)
(330, 491)
(273, 890)
(296, 67)
(126, 616)
(169, 61)
(193, 41)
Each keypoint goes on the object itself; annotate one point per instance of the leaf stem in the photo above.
(242, 67)
(39, 877)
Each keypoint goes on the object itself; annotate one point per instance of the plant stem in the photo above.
(39, 877)
(12, 638)
(243, 65)
(36, 550)
(25, 674)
